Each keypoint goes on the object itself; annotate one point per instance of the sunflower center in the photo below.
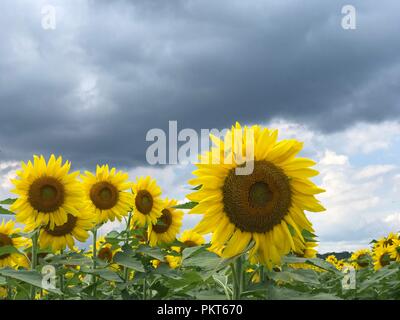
(384, 259)
(259, 201)
(64, 229)
(104, 195)
(105, 254)
(144, 201)
(362, 261)
(259, 195)
(164, 222)
(46, 194)
(190, 243)
(5, 240)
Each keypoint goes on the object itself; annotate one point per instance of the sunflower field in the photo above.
(254, 239)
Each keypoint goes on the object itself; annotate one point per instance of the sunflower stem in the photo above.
(144, 289)
(62, 278)
(35, 237)
(94, 279)
(9, 290)
(128, 224)
(235, 285)
(240, 276)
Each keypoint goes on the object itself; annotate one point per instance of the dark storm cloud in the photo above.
(92, 88)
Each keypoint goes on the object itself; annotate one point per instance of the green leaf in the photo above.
(187, 205)
(304, 276)
(5, 211)
(106, 274)
(155, 253)
(188, 252)
(308, 236)
(8, 250)
(8, 201)
(74, 259)
(127, 261)
(291, 229)
(31, 277)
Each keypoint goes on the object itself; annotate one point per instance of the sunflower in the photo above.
(191, 238)
(386, 241)
(381, 257)
(305, 266)
(47, 193)
(173, 261)
(106, 193)
(340, 264)
(266, 206)
(105, 252)
(306, 250)
(147, 203)
(9, 237)
(254, 275)
(3, 293)
(361, 258)
(331, 259)
(395, 250)
(167, 226)
(60, 237)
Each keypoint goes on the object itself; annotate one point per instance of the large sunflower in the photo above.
(167, 226)
(266, 206)
(106, 193)
(147, 203)
(8, 237)
(47, 193)
(62, 236)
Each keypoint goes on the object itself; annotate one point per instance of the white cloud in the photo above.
(331, 158)
(359, 194)
(375, 170)
(7, 172)
(366, 138)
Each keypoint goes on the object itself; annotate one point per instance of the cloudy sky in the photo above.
(111, 70)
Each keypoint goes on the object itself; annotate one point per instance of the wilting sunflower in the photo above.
(106, 193)
(8, 237)
(167, 226)
(266, 205)
(191, 238)
(147, 203)
(47, 193)
(381, 257)
(62, 236)
(361, 258)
